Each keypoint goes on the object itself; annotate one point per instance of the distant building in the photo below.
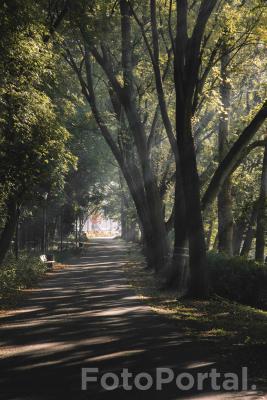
(98, 225)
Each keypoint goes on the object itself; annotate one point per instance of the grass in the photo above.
(236, 330)
(215, 317)
(18, 277)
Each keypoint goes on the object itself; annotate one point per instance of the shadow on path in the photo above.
(86, 316)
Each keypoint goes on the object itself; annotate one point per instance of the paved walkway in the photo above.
(86, 316)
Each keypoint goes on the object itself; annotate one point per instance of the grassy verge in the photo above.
(18, 275)
(238, 332)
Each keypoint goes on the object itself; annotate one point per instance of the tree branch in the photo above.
(235, 154)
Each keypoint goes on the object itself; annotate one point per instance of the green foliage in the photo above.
(219, 318)
(32, 139)
(239, 279)
(19, 274)
(49, 141)
(34, 153)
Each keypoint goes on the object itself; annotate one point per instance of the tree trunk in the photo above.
(250, 231)
(209, 234)
(9, 229)
(261, 219)
(239, 230)
(132, 231)
(199, 284)
(177, 272)
(17, 236)
(215, 243)
(123, 211)
(61, 230)
(187, 56)
(123, 224)
(225, 220)
(142, 183)
(225, 213)
(76, 231)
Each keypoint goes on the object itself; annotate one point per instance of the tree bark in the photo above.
(142, 184)
(177, 269)
(123, 223)
(180, 264)
(187, 55)
(159, 237)
(17, 232)
(250, 233)
(209, 234)
(199, 285)
(261, 219)
(238, 236)
(9, 229)
(145, 192)
(225, 212)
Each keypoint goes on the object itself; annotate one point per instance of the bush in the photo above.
(19, 274)
(239, 279)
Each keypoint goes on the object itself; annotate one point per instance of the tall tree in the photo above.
(30, 125)
(187, 53)
(225, 212)
(261, 218)
(137, 170)
(196, 48)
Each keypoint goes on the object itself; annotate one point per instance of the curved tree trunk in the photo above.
(261, 219)
(141, 182)
(158, 243)
(233, 157)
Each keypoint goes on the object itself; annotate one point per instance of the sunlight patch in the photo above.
(125, 353)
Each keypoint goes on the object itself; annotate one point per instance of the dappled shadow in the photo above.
(87, 316)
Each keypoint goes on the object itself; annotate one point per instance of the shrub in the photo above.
(19, 274)
(239, 279)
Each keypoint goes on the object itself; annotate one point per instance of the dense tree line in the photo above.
(175, 90)
(50, 154)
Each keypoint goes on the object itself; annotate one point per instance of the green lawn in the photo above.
(238, 332)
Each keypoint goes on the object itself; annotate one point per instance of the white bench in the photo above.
(43, 258)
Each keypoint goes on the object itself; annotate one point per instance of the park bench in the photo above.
(46, 261)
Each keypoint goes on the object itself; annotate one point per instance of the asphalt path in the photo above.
(86, 316)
